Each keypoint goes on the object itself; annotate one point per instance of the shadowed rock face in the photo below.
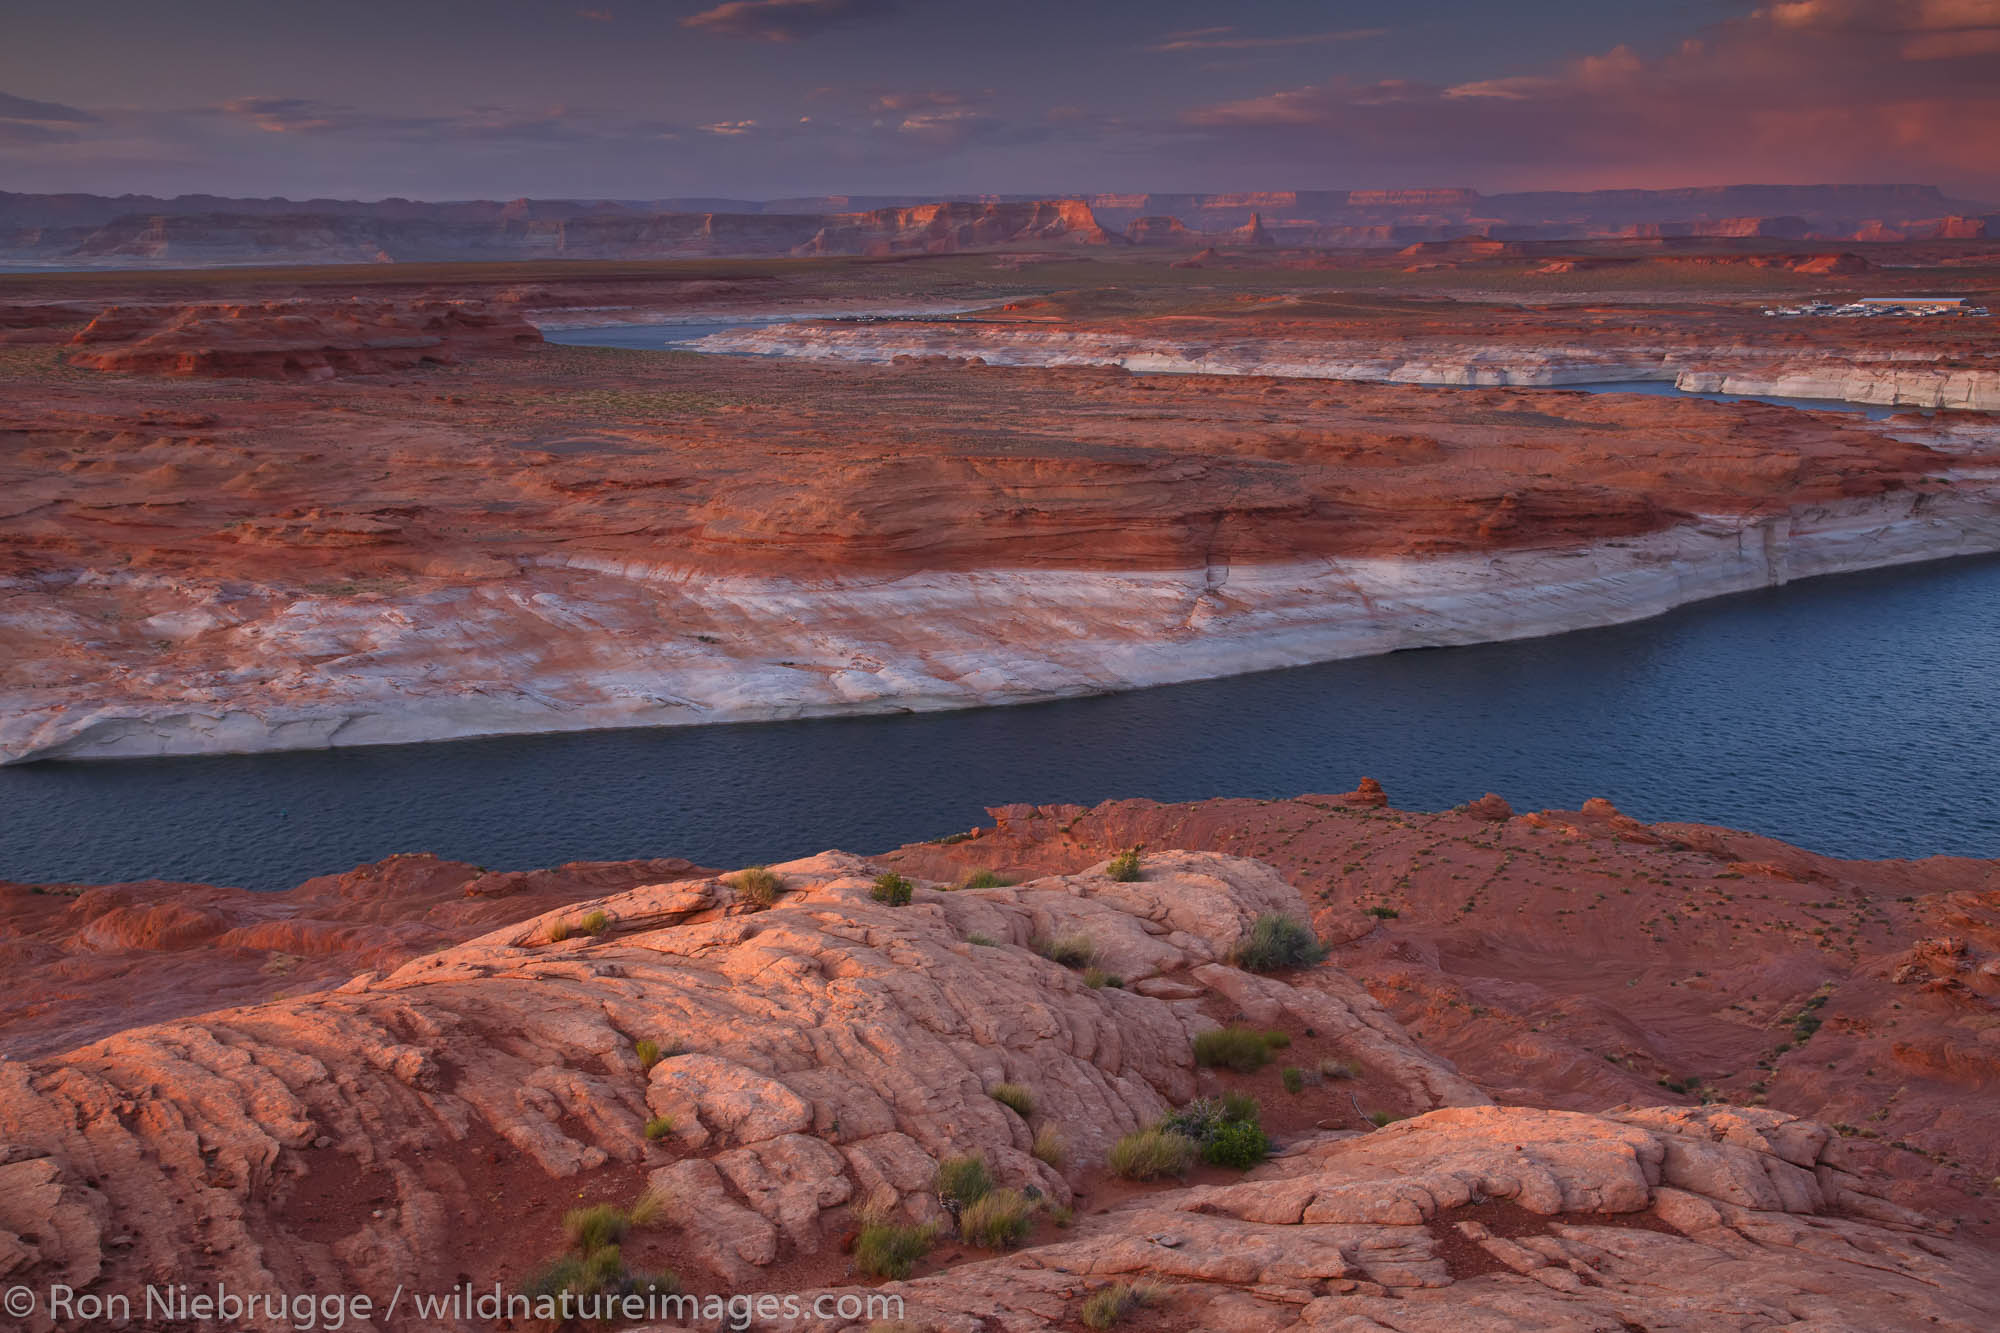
(430, 1124)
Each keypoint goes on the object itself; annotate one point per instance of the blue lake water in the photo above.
(1857, 715)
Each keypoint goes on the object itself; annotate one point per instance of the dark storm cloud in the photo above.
(24, 108)
(783, 20)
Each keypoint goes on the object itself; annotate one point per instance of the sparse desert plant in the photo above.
(1293, 1078)
(1016, 1097)
(1124, 867)
(1384, 913)
(758, 885)
(1244, 1050)
(986, 940)
(659, 1127)
(1148, 1154)
(596, 923)
(998, 1220)
(893, 890)
(962, 1181)
(648, 1051)
(1051, 1148)
(1073, 951)
(593, 1228)
(1381, 1118)
(1097, 979)
(984, 879)
(649, 1209)
(883, 1248)
(1333, 1068)
(1237, 1143)
(559, 930)
(1275, 942)
(1106, 1306)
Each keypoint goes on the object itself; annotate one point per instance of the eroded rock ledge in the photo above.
(820, 1055)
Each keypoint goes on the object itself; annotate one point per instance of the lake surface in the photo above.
(685, 336)
(1857, 715)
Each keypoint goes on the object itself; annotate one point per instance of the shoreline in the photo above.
(832, 648)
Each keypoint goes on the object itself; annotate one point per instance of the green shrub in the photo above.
(998, 1220)
(1051, 1149)
(1017, 1097)
(985, 879)
(1104, 1307)
(1236, 1143)
(886, 1249)
(1293, 1078)
(659, 1127)
(1124, 867)
(1244, 1050)
(648, 1052)
(757, 885)
(591, 1229)
(1384, 913)
(1381, 1118)
(1148, 1154)
(893, 890)
(595, 924)
(1097, 979)
(1276, 942)
(1068, 950)
(962, 1181)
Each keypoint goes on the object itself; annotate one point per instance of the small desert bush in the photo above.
(893, 890)
(1097, 979)
(1051, 1148)
(985, 879)
(595, 924)
(1016, 1097)
(1332, 1068)
(1104, 1307)
(1124, 867)
(659, 1127)
(998, 1220)
(986, 940)
(758, 885)
(649, 1209)
(962, 1181)
(559, 931)
(1244, 1050)
(1236, 1144)
(1068, 950)
(1294, 1079)
(883, 1248)
(1226, 1132)
(1148, 1154)
(648, 1051)
(595, 1265)
(1277, 942)
(1384, 913)
(1381, 1118)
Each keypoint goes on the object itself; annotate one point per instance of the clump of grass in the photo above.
(595, 924)
(659, 1127)
(649, 1209)
(1381, 1118)
(648, 1051)
(1384, 913)
(883, 1248)
(1148, 1154)
(1106, 1306)
(1332, 1068)
(1244, 1050)
(1125, 867)
(591, 1229)
(1016, 1097)
(985, 879)
(758, 885)
(893, 890)
(1276, 942)
(987, 940)
(1097, 979)
(961, 1182)
(1076, 950)
(998, 1220)
(1293, 1078)
(1051, 1148)
(559, 931)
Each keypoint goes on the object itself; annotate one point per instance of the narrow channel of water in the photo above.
(1857, 715)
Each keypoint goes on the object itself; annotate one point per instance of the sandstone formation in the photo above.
(427, 1127)
(294, 340)
(562, 538)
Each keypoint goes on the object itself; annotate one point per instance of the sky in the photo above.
(759, 99)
